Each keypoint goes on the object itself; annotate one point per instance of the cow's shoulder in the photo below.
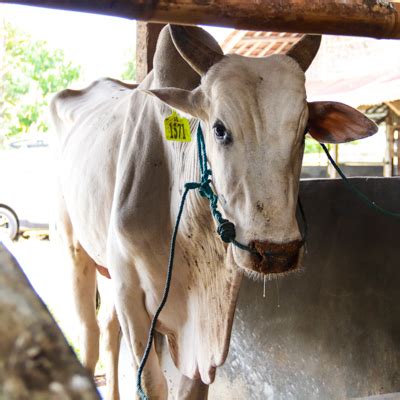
(100, 87)
(69, 104)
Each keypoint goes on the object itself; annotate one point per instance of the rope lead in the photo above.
(357, 191)
(225, 229)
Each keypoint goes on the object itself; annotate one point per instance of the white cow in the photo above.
(121, 182)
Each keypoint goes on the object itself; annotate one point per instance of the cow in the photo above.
(120, 183)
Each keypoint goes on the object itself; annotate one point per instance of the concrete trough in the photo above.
(331, 331)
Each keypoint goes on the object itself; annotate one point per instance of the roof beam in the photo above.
(374, 18)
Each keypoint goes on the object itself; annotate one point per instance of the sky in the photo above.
(101, 44)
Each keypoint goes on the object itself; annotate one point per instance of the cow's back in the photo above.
(89, 125)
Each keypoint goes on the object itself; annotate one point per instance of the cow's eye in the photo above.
(221, 133)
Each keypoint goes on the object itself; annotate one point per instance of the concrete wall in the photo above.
(349, 170)
(331, 331)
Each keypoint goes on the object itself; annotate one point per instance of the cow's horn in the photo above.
(305, 50)
(196, 46)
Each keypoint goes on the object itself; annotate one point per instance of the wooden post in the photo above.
(374, 18)
(36, 361)
(389, 153)
(335, 155)
(146, 41)
(394, 106)
(397, 130)
(394, 111)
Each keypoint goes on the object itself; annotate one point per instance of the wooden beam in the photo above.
(36, 361)
(394, 106)
(146, 41)
(374, 18)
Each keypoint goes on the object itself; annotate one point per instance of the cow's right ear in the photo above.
(332, 122)
(186, 101)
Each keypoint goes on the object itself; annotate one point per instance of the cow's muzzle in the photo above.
(273, 258)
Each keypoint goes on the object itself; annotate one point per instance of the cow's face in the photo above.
(255, 115)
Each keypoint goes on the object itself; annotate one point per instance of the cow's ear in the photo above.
(189, 102)
(331, 122)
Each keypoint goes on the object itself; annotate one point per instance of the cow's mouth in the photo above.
(271, 258)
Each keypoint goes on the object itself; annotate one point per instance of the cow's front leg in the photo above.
(191, 389)
(135, 324)
(110, 336)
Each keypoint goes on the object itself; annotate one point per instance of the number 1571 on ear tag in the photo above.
(177, 128)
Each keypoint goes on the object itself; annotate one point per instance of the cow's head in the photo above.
(256, 115)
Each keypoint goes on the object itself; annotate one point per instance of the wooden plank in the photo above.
(146, 41)
(36, 361)
(374, 18)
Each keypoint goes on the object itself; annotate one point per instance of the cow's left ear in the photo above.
(189, 102)
(331, 122)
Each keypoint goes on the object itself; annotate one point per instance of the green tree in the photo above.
(29, 73)
(311, 146)
(129, 72)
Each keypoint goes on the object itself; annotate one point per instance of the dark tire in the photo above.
(9, 222)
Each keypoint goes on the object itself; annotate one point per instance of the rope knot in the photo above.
(192, 185)
(205, 189)
(226, 229)
(207, 173)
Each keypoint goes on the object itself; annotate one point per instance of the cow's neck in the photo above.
(171, 70)
(209, 291)
(185, 160)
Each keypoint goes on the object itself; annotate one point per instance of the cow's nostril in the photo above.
(275, 257)
(257, 256)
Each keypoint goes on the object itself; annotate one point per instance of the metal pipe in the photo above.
(374, 18)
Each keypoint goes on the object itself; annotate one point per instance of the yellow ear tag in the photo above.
(177, 128)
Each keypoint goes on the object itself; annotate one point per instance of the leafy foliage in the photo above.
(129, 73)
(29, 73)
(311, 146)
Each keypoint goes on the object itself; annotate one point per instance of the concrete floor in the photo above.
(40, 261)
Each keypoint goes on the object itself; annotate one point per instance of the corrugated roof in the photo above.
(352, 70)
(259, 44)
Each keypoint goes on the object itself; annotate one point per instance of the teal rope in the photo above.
(167, 286)
(225, 229)
(356, 191)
